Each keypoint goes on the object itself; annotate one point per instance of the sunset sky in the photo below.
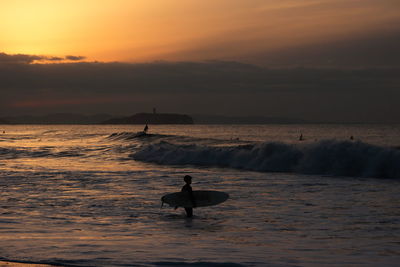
(284, 34)
(143, 30)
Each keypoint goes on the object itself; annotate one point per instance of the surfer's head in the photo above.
(187, 179)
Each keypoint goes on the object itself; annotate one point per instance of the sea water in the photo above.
(90, 195)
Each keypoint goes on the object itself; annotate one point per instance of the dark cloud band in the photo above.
(368, 94)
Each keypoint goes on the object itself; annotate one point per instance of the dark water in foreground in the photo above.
(90, 195)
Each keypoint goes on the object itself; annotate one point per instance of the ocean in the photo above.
(89, 195)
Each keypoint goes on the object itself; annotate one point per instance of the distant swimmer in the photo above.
(146, 128)
(301, 137)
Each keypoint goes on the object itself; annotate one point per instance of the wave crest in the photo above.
(328, 157)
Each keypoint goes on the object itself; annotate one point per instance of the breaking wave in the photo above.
(328, 157)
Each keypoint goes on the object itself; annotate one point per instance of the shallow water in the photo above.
(75, 195)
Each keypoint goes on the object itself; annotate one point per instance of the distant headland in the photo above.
(152, 118)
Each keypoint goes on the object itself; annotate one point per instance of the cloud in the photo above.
(75, 58)
(213, 87)
(54, 58)
(19, 58)
(378, 49)
(374, 49)
(29, 59)
(178, 77)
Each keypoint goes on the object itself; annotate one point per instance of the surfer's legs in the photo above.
(189, 212)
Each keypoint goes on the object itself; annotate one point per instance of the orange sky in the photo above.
(147, 30)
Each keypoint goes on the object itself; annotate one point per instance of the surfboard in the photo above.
(203, 198)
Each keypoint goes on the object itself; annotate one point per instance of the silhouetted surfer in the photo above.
(188, 188)
(301, 137)
(146, 128)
